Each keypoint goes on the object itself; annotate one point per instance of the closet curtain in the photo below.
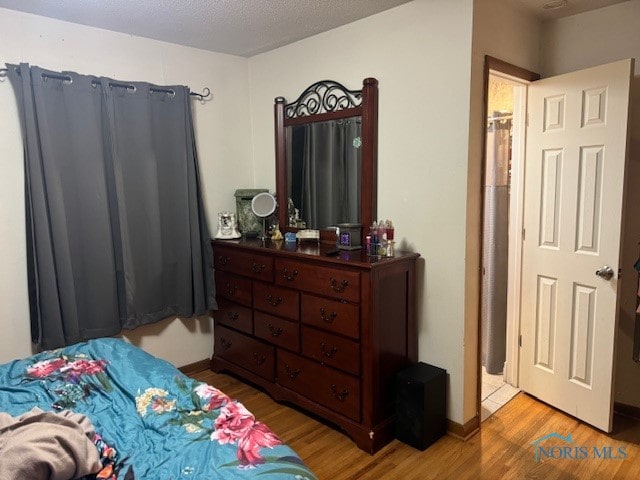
(116, 231)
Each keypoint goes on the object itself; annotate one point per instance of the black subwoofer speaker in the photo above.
(421, 405)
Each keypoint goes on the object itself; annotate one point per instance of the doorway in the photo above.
(502, 193)
(564, 340)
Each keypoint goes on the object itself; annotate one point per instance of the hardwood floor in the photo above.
(502, 450)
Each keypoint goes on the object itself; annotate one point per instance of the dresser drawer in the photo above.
(332, 350)
(234, 315)
(331, 315)
(342, 284)
(278, 331)
(249, 353)
(321, 384)
(233, 287)
(276, 300)
(244, 263)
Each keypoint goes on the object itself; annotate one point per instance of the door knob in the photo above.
(605, 272)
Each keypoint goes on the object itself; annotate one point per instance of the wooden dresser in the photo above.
(326, 333)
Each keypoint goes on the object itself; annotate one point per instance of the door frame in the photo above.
(516, 223)
(525, 76)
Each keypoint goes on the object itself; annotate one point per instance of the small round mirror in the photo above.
(263, 205)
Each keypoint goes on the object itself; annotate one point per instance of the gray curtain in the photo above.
(495, 243)
(116, 232)
(325, 171)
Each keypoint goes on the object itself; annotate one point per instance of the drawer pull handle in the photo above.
(328, 352)
(327, 318)
(224, 259)
(341, 396)
(289, 275)
(224, 343)
(258, 268)
(275, 332)
(338, 287)
(231, 289)
(232, 315)
(293, 374)
(274, 301)
(259, 359)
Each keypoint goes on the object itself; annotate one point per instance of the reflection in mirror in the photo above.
(324, 172)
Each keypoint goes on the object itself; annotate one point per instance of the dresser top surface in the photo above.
(309, 249)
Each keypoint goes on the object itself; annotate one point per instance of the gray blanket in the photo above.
(48, 446)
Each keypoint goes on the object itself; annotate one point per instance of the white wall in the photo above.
(222, 131)
(512, 35)
(428, 163)
(583, 41)
(420, 53)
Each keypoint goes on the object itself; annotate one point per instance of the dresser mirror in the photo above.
(326, 156)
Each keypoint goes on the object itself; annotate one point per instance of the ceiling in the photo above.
(239, 27)
(560, 8)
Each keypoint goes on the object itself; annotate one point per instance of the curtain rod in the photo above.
(66, 78)
(505, 117)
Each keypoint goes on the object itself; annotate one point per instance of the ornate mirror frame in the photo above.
(329, 100)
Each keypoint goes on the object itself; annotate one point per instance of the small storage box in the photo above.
(247, 221)
(349, 236)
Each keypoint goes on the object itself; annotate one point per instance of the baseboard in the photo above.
(463, 432)
(627, 410)
(195, 367)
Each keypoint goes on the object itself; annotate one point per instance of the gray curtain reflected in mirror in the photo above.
(324, 171)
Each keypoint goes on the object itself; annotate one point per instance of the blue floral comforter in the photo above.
(152, 421)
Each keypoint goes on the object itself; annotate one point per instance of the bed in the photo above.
(146, 420)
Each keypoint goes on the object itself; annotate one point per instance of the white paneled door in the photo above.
(575, 163)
